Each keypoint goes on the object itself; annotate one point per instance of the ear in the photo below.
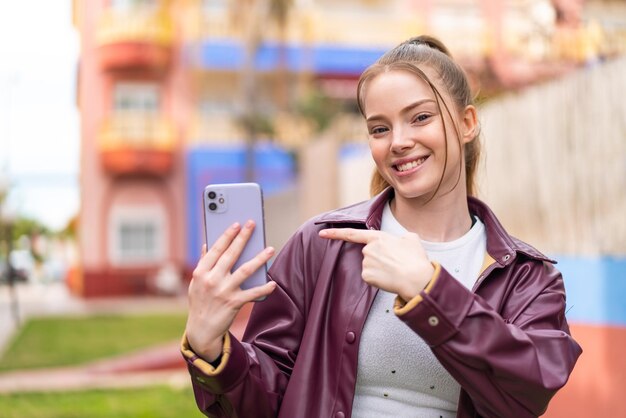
(469, 124)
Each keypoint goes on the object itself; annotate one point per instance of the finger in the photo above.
(210, 257)
(203, 250)
(248, 268)
(234, 250)
(359, 236)
(258, 292)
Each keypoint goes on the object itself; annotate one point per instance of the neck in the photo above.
(444, 218)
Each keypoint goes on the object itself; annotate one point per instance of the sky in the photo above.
(39, 123)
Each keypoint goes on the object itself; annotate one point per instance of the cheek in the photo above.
(454, 146)
(451, 148)
(378, 151)
(375, 150)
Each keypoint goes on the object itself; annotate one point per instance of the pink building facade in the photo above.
(131, 97)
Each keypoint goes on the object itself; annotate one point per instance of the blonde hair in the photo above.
(430, 52)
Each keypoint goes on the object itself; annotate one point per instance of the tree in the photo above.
(254, 16)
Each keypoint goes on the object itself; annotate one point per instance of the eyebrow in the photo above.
(404, 110)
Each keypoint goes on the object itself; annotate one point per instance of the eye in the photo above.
(378, 130)
(421, 117)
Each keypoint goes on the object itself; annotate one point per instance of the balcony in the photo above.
(137, 144)
(135, 39)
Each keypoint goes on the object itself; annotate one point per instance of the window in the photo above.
(124, 5)
(136, 97)
(137, 240)
(137, 235)
(214, 5)
(217, 107)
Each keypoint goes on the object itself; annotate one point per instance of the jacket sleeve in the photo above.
(512, 364)
(253, 375)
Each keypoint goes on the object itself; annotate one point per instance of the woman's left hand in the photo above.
(395, 264)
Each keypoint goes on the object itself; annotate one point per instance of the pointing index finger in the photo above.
(359, 236)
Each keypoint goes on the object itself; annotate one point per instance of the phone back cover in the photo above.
(242, 201)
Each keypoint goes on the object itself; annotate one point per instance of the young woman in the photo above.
(416, 303)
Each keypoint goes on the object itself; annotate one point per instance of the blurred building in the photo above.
(171, 91)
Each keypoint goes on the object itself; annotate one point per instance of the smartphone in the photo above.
(225, 204)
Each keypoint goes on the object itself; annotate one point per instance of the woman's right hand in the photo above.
(214, 293)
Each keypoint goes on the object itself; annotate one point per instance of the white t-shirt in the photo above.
(398, 375)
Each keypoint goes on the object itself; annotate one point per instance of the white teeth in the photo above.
(410, 165)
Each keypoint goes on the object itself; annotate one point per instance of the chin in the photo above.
(412, 192)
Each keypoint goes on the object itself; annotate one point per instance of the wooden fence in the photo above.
(554, 162)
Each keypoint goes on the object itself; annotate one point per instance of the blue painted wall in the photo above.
(320, 59)
(596, 289)
(274, 167)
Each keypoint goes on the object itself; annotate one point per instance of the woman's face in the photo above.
(406, 135)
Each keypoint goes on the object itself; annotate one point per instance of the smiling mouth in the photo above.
(409, 165)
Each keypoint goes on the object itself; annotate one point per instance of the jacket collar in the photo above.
(502, 247)
(368, 213)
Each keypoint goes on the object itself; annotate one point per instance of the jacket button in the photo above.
(433, 321)
(350, 338)
(340, 415)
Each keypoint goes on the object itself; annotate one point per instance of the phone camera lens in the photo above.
(212, 206)
(212, 195)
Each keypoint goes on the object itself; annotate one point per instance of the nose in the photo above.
(400, 140)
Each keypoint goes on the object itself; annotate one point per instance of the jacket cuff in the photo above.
(228, 374)
(401, 307)
(209, 369)
(437, 317)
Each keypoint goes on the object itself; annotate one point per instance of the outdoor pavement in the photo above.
(161, 364)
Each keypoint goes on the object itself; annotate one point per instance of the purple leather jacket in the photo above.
(506, 342)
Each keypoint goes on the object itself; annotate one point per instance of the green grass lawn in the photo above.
(153, 402)
(63, 341)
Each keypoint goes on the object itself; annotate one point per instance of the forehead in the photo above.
(397, 86)
(390, 78)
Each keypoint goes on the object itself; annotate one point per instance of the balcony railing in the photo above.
(137, 143)
(135, 38)
(215, 128)
(150, 26)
